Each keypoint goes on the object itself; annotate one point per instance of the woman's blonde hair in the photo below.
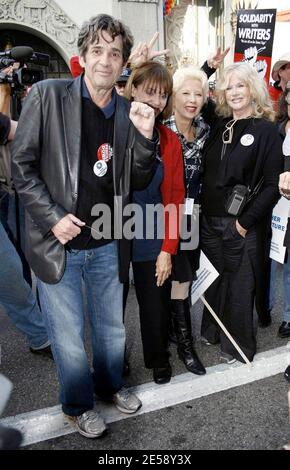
(157, 76)
(190, 72)
(261, 102)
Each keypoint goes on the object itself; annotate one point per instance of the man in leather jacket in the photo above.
(79, 145)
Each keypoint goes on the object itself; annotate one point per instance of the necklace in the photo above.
(228, 133)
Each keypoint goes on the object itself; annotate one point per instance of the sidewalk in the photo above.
(249, 416)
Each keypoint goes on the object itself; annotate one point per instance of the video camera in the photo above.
(23, 76)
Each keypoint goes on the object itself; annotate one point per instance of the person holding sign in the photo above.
(192, 110)
(242, 162)
(190, 92)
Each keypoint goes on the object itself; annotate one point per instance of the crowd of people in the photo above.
(125, 133)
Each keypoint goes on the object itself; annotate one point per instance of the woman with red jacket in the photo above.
(159, 206)
(190, 94)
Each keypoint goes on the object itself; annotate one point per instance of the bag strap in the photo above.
(255, 191)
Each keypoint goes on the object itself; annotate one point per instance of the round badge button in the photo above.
(100, 168)
(105, 152)
(247, 140)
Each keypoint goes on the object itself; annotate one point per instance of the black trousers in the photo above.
(264, 235)
(232, 295)
(154, 310)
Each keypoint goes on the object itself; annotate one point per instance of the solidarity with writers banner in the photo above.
(254, 39)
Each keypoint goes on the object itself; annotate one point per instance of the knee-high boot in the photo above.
(182, 325)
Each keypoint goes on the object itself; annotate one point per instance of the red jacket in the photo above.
(172, 187)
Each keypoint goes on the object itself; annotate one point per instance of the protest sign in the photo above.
(205, 277)
(279, 225)
(254, 39)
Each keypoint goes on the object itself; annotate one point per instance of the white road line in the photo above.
(49, 423)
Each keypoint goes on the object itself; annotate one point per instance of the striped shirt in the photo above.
(192, 154)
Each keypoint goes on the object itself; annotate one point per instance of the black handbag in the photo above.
(240, 196)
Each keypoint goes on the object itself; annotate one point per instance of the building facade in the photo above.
(52, 26)
(192, 30)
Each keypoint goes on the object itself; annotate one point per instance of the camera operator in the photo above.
(7, 126)
(15, 293)
(11, 97)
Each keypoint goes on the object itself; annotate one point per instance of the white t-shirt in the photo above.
(286, 145)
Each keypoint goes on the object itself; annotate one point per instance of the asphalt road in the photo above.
(253, 416)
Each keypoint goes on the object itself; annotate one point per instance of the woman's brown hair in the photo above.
(157, 76)
(282, 113)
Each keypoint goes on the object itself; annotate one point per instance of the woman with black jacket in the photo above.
(244, 149)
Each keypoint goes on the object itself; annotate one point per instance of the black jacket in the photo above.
(46, 156)
(265, 153)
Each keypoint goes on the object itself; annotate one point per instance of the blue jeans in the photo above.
(286, 287)
(8, 219)
(63, 305)
(16, 295)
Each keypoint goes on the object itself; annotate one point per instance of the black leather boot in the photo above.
(182, 325)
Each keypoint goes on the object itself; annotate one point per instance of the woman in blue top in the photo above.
(156, 243)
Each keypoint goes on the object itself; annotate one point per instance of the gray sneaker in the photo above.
(126, 401)
(89, 424)
(228, 358)
(205, 341)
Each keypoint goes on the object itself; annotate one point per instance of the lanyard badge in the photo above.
(188, 206)
(104, 155)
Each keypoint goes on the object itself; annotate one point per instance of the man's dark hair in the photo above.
(91, 29)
